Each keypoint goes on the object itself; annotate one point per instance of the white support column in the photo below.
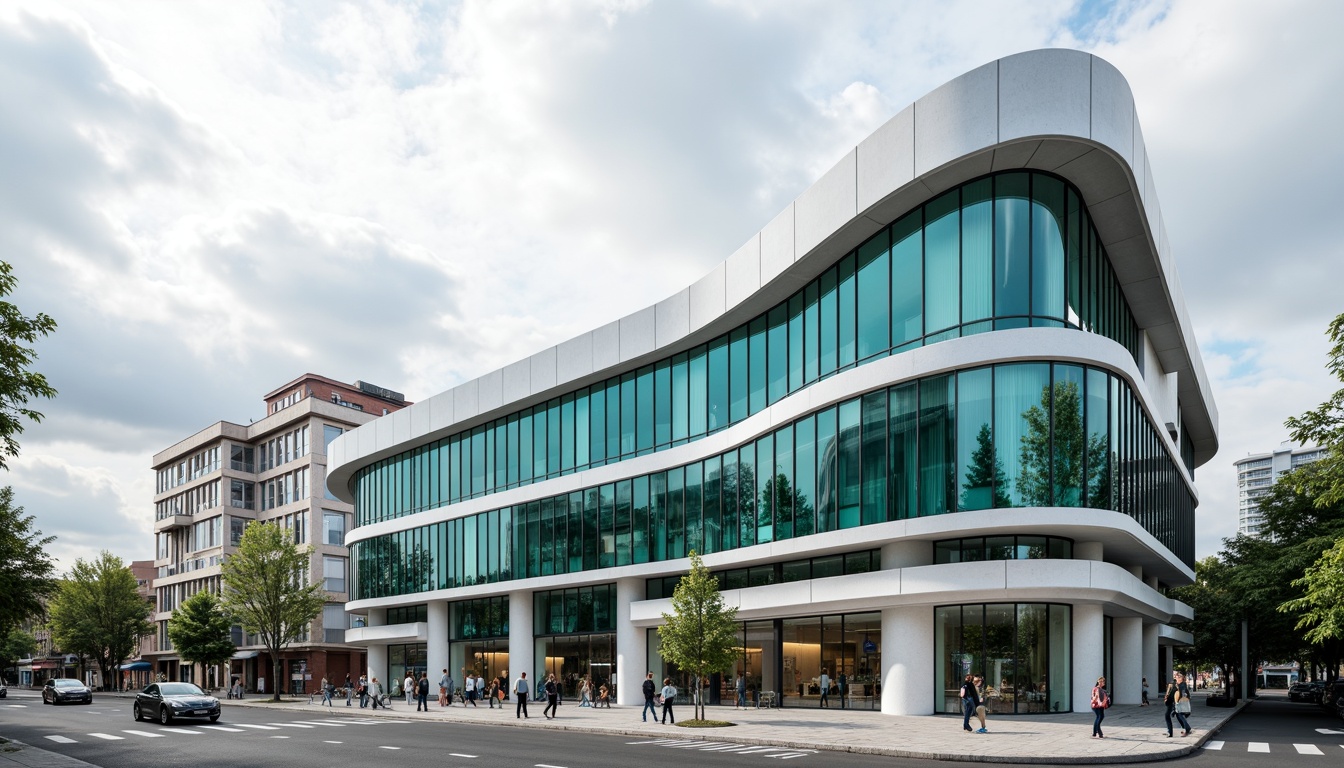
(436, 640)
(1128, 651)
(907, 647)
(1089, 631)
(1151, 665)
(632, 655)
(378, 651)
(521, 642)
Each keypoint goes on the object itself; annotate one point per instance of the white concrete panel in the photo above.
(885, 160)
(1112, 110)
(574, 358)
(490, 391)
(906, 554)
(1088, 643)
(672, 319)
(1045, 92)
(1127, 635)
(1043, 574)
(419, 418)
(367, 436)
(517, 381)
(631, 644)
(744, 272)
(440, 411)
(777, 595)
(465, 405)
(378, 666)
(708, 299)
(521, 642)
(824, 207)
(1140, 164)
(953, 576)
(957, 119)
(401, 425)
(543, 370)
(384, 434)
(1151, 670)
(907, 647)
(777, 249)
(607, 346)
(637, 334)
(436, 647)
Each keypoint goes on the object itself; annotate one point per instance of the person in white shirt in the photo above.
(669, 695)
(825, 684)
(408, 688)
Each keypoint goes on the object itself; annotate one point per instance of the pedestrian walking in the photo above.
(741, 686)
(445, 689)
(970, 704)
(375, 690)
(422, 693)
(1145, 693)
(363, 691)
(493, 692)
(1100, 701)
(604, 696)
(669, 696)
(1181, 703)
(650, 690)
(326, 692)
(552, 698)
(408, 688)
(349, 689)
(520, 690)
(585, 694)
(825, 683)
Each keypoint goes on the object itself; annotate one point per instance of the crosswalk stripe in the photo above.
(224, 728)
(292, 725)
(187, 731)
(258, 727)
(1258, 746)
(1215, 745)
(107, 736)
(1307, 749)
(329, 725)
(146, 734)
(62, 740)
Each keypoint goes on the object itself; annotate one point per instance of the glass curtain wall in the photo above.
(1023, 651)
(1030, 434)
(478, 635)
(1013, 250)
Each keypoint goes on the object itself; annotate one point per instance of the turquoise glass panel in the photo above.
(978, 469)
(829, 320)
(597, 398)
(644, 408)
(681, 397)
(847, 324)
(574, 526)
(1098, 471)
(805, 477)
(777, 354)
(782, 489)
(942, 263)
(718, 384)
(850, 479)
(676, 513)
(712, 515)
(582, 431)
(692, 501)
(765, 481)
(874, 296)
(1012, 245)
(756, 351)
(662, 403)
(553, 437)
(1047, 246)
(828, 452)
(640, 520)
(624, 522)
(873, 495)
(539, 442)
(729, 501)
(937, 445)
(658, 515)
(907, 280)
(746, 495)
(977, 251)
(1022, 431)
(698, 376)
(811, 332)
(628, 413)
(737, 374)
(606, 523)
(796, 342)
(1068, 435)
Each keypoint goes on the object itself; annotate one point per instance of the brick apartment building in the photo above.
(209, 486)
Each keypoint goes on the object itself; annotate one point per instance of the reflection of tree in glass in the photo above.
(419, 570)
(985, 472)
(1039, 455)
(781, 488)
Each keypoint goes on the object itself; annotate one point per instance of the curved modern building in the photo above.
(940, 415)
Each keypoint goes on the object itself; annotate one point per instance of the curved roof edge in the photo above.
(1063, 111)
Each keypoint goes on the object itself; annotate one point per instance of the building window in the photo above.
(240, 458)
(1023, 650)
(333, 528)
(333, 572)
(241, 494)
(333, 623)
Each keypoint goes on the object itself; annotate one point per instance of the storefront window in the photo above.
(1022, 650)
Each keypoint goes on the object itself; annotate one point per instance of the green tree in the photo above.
(16, 645)
(1053, 449)
(984, 473)
(27, 577)
(98, 613)
(1324, 426)
(701, 635)
(18, 385)
(266, 590)
(200, 630)
(1322, 607)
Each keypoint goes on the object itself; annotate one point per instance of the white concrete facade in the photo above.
(1065, 112)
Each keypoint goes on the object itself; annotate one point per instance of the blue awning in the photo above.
(137, 665)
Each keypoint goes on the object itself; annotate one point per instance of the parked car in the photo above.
(1331, 694)
(168, 701)
(1298, 692)
(3, 690)
(66, 690)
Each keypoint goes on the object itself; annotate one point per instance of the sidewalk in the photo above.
(1133, 733)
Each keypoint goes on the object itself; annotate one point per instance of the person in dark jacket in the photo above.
(422, 693)
(970, 702)
(552, 698)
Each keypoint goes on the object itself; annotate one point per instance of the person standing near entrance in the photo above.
(445, 689)
(741, 691)
(349, 689)
(422, 693)
(825, 688)
(669, 696)
(1100, 701)
(375, 690)
(363, 691)
(520, 690)
(552, 698)
(408, 688)
(649, 691)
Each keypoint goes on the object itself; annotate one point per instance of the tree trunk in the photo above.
(278, 666)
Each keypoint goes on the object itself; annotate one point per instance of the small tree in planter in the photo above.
(701, 636)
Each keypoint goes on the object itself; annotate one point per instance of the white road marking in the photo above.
(107, 736)
(17, 706)
(329, 725)
(459, 754)
(790, 755)
(383, 747)
(1214, 745)
(279, 737)
(146, 734)
(62, 740)
(224, 728)
(293, 725)
(1258, 746)
(1330, 732)
(187, 731)
(544, 765)
(1307, 749)
(258, 727)
(332, 742)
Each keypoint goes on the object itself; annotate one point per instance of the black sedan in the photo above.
(66, 690)
(166, 702)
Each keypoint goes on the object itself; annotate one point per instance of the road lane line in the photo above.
(257, 727)
(1258, 746)
(329, 725)
(544, 765)
(1215, 745)
(107, 736)
(224, 728)
(62, 740)
(180, 730)
(146, 734)
(293, 725)
(459, 754)
(1307, 749)
(332, 742)
(385, 747)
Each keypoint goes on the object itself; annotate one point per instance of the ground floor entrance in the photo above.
(572, 658)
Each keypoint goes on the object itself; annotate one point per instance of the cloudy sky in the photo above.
(214, 198)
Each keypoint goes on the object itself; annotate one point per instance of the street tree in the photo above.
(27, 575)
(17, 644)
(200, 631)
(1324, 426)
(1321, 609)
(700, 635)
(18, 384)
(266, 590)
(99, 613)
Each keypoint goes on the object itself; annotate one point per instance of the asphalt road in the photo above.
(1272, 731)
